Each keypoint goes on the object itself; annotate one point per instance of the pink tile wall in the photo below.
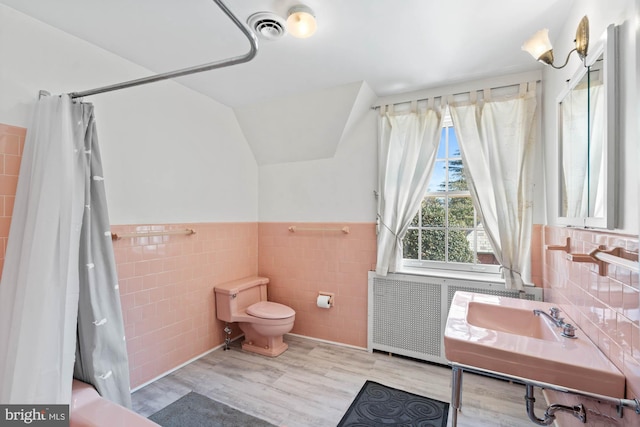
(166, 289)
(11, 146)
(606, 308)
(302, 263)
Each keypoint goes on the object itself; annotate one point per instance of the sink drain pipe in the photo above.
(549, 415)
(577, 411)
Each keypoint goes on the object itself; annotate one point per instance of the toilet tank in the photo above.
(235, 296)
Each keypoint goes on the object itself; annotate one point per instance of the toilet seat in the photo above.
(270, 310)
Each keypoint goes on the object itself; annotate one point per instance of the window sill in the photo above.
(452, 274)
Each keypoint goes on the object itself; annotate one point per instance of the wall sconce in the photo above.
(541, 49)
(301, 22)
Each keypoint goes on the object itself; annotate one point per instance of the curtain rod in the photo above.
(459, 89)
(185, 71)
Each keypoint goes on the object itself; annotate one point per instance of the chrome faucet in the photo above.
(553, 316)
(568, 330)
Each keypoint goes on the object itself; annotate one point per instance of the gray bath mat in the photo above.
(196, 410)
(379, 405)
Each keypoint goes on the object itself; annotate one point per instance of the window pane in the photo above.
(459, 248)
(484, 249)
(433, 212)
(433, 245)
(438, 179)
(461, 212)
(454, 149)
(447, 230)
(414, 221)
(457, 180)
(410, 244)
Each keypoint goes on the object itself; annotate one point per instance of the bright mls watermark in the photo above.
(34, 415)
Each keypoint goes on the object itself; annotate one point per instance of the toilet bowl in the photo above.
(263, 322)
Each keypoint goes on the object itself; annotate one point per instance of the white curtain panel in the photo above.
(39, 288)
(497, 144)
(407, 147)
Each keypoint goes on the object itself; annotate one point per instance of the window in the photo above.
(447, 232)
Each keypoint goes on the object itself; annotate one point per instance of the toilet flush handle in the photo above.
(234, 295)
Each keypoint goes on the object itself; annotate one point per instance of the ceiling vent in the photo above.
(267, 25)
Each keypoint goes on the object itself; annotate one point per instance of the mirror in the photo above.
(586, 140)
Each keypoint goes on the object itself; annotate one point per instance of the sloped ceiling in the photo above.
(301, 127)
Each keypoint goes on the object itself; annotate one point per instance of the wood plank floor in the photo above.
(313, 383)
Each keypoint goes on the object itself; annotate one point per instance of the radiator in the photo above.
(407, 313)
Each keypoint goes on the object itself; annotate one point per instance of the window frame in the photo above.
(447, 194)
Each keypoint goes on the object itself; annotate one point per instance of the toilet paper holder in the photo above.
(331, 296)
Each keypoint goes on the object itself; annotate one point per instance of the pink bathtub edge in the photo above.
(89, 409)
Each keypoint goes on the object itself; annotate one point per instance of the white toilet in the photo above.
(263, 322)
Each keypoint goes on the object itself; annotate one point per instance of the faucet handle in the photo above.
(568, 330)
(554, 312)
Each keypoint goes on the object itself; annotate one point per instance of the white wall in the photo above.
(328, 190)
(601, 14)
(170, 154)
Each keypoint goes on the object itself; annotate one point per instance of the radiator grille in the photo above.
(408, 314)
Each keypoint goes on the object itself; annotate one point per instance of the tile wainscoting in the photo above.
(300, 264)
(606, 308)
(166, 289)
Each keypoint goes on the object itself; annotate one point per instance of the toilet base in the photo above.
(273, 348)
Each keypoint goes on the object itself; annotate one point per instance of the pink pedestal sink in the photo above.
(503, 335)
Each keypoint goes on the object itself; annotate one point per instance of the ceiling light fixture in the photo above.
(541, 49)
(301, 22)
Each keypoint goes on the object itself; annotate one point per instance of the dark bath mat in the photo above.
(379, 405)
(196, 410)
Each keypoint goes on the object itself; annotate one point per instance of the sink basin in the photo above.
(502, 335)
(517, 321)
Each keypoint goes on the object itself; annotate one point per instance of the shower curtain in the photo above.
(59, 297)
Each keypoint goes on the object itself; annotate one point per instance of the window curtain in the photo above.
(407, 147)
(497, 140)
(59, 252)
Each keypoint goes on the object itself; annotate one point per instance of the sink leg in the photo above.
(456, 393)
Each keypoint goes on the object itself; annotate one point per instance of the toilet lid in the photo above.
(270, 310)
